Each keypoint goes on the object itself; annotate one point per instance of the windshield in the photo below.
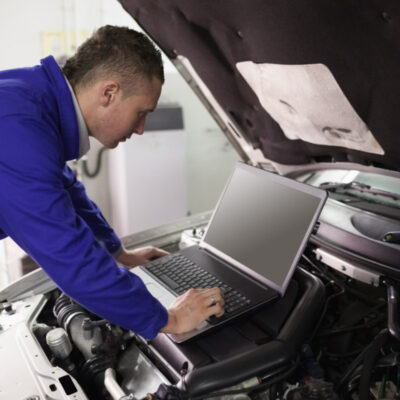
(371, 192)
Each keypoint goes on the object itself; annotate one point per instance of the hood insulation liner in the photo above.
(304, 80)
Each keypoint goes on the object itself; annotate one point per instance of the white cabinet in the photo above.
(147, 180)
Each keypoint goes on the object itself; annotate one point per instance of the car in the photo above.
(305, 89)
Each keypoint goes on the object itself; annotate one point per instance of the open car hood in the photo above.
(291, 82)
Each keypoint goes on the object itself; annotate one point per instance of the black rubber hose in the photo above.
(358, 360)
(306, 312)
(207, 379)
(256, 388)
(393, 310)
(330, 277)
(65, 307)
(351, 328)
(323, 313)
(369, 361)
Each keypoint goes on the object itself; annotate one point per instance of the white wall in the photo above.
(209, 155)
(21, 24)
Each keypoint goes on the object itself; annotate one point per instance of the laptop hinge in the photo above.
(228, 265)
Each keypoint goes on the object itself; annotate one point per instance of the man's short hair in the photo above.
(118, 52)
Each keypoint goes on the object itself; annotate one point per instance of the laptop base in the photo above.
(256, 294)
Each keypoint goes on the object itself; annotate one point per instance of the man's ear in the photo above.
(108, 91)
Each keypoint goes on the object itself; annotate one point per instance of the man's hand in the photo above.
(140, 256)
(192, 308)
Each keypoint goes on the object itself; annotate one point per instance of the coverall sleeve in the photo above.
(91, 213)
(38, 213)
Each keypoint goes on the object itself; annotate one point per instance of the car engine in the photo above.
(331, 337)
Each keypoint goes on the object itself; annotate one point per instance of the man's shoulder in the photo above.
(21, 78)
(28, 117)
(36, 105)
(22, 91)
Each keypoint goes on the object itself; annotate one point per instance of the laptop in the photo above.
(250, 249)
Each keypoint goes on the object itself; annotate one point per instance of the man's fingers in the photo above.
(213, 296)
(155, 252)
(217, 310)
(193, 307)
(219, 313)
(214, 299)
(215, 302)
(160, 252)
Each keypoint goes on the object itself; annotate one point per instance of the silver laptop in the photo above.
(251, 247)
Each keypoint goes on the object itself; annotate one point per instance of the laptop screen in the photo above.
(262, 223)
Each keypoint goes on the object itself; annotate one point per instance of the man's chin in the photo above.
(111, 145)
(108, 145)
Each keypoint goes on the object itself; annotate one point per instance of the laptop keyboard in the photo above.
(180, 274)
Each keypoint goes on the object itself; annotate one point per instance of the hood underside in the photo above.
(304, 81)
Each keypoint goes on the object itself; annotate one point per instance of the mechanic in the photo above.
(47, 114)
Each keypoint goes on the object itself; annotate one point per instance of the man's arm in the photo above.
(139, 256)
(92, 215)
(37, 212)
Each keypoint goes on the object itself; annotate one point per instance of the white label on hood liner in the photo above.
(308, 104)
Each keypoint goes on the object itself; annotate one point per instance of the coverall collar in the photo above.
(84, 144)
(68, 119)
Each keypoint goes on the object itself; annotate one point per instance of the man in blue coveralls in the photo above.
(46, 117)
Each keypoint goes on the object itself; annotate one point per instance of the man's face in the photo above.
(123, 116)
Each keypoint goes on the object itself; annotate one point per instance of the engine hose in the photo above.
(393, 310)
(345, 329)
(358, 360)
(350, 290)
(262, 386)
(369, 361)
(113, 388)
(324, 310)
(64, 309)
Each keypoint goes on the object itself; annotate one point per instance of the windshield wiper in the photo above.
(359, 187)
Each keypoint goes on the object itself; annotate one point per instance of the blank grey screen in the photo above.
(261, 223)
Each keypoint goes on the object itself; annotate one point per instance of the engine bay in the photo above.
(331, 336)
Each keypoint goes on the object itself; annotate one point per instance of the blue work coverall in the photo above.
(46, 211)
